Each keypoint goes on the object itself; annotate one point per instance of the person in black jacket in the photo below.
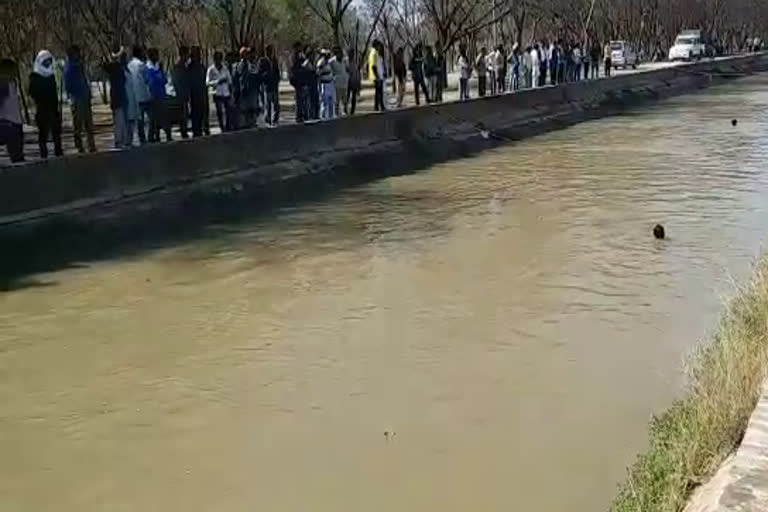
(272, 87)
(43, 90)
(417, 73)
(117, 73)
(198, 92)
(180, 79)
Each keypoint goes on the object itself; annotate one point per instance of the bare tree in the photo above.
(332, 13)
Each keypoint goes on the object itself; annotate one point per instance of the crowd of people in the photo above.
(535, 66)
(147, 100)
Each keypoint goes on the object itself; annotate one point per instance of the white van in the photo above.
(623, 55)
(688, 46)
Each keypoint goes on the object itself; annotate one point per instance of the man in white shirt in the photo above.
(490, 61)
(220, 80)
(535, 66)
(141, 100)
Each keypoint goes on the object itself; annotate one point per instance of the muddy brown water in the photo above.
(489, 334)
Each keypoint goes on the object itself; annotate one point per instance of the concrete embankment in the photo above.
(720, 425)
(741, 483)
(164, 180)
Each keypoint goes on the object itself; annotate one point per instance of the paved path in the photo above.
(103, 116)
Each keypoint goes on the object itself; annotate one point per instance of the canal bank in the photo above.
(710, 449)
(172, 180)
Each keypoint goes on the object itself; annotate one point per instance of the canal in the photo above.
(488, 334)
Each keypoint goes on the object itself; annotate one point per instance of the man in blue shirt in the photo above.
(78, 89)
(156, 81)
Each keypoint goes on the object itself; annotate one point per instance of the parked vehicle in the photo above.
(689, 45)
(623, 55)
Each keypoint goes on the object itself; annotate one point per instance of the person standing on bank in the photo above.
(440, 70)
(465, 71)
(43, 91)
(313, 83)
(78, 88)
(180, 79)
(156, 81)
(297, 79)
(198, 92)
(11, 122)
(417, 73)
(543, 63)
(515, 63)
(272, 88)
(377, 74)
(595, 58)
(140, 100)
(117, 72)
(327, 85)
(576, 62)
(490, 66)
(501, 70)
(535, 66)
(482, 72)
(554, 62)
(607, 59)
(340, 68)
(430, 73)
(586, 58)
(525, 67)
(401, 75)
(355, 81)
(219, 79)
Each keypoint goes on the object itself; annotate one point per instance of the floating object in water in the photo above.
(734, 122)
(658, 232)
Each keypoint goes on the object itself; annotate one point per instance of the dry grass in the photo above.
(690, 440)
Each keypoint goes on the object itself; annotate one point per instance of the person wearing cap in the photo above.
(11, 123)
(117, 73)
(43, 91)
(327, 85)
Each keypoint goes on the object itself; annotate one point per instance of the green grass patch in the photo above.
(690, 440)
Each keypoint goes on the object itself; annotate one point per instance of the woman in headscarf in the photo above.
(43, 90)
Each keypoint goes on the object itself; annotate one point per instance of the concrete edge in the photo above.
(741, 483)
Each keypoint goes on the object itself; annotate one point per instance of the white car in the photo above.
(623, 55)
(688, 46)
